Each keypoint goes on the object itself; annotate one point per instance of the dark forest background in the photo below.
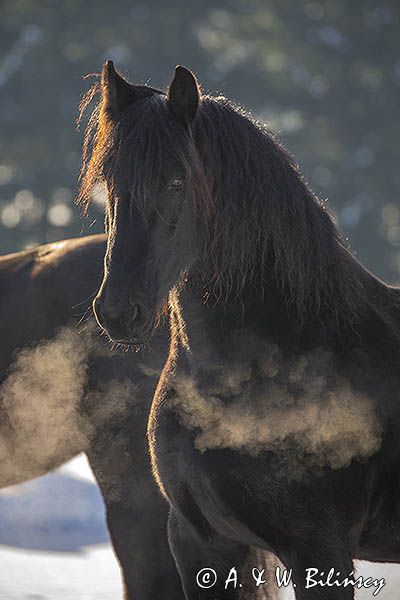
(325, 74)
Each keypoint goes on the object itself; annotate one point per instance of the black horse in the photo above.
(71, 394)
(276, 420)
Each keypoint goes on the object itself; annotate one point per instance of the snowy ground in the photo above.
(53, 540)
(54, 544)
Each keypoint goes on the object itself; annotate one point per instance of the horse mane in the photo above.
(266, 216)
(256, 211)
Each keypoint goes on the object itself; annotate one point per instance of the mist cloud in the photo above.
(48, 412)
(297, 408)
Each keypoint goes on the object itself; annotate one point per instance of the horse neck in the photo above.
(268, 317)
(260, 317)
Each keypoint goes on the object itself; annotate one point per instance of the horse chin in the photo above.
(134, 341)
(143, 337)
(125, 337)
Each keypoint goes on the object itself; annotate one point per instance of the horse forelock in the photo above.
(135, 150)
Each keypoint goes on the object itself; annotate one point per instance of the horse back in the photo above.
(43, 289)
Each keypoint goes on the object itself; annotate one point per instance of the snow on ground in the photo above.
(53, 539)
(54, 543)
(90, 575)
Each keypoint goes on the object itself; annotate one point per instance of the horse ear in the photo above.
(184, 94)
(117, 93)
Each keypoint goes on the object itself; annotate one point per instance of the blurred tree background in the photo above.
(325, 74)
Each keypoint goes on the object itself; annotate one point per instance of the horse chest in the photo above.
(287, 409)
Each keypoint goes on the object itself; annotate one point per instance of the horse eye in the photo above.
(176, 185)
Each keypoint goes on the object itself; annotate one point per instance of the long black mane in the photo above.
(256, 211)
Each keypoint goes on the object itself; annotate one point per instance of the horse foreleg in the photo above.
(309, 569)
(212, 566)
(136, 516)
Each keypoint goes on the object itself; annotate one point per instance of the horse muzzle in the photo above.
(124, 322)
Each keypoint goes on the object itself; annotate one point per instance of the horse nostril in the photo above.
(136, 315)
